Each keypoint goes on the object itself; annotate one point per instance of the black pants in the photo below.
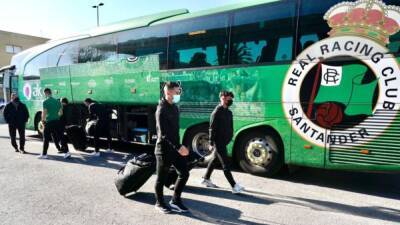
(164, 163)
(220, 156)
(63, 137)
(102, 129)
(12, 129)
(51, 131)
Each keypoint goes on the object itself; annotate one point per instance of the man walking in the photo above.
(221, 133)
(64, 121)
(169, 151)
(52, 111)
(102, 116)
(16, 116)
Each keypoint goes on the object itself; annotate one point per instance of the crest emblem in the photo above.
(346, 81)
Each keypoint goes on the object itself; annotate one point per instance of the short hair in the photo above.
(88, 100)
(171, 85)
(64, 100)
(226, 94)
(47, 90)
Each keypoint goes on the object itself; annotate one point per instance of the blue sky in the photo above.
(57, 18)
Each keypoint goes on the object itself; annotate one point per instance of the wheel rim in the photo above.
(200, 144)
(259, 152)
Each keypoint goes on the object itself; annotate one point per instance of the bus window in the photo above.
(102, 48)
(199, 42)
(394, 45)
(53, 55)
(143, 41)
(308, 40)
(312, 26)
(263, 33)
(33, 66)
(69, 54)
(285, 48)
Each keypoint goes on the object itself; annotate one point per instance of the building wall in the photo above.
(14, 39)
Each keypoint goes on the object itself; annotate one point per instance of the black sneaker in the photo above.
(177, 206)
(22, 151)
(163, 208)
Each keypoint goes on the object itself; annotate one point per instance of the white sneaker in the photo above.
(67, 155)
(108, 150)
(96, 154)
(237, 189)
(42, 157)
(208, 183)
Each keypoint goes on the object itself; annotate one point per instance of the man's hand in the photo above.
(183, 151)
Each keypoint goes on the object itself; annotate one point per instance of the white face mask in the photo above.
(177, 98)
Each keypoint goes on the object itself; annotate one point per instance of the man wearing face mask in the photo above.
(169, 151)
(16, 115)
(221, 133)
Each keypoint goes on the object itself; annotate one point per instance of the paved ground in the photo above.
(81, 191)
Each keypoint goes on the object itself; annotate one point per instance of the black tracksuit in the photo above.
(221, 133)
(68, 118)
(166, 150)
(100, 113)
(16, 115)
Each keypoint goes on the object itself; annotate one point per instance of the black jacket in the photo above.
(167, 124)
(70, 115)
(16, 116)
(221, 126)
(99, 112)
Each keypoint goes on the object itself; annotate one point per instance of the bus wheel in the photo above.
(197, 141)
(258, 153)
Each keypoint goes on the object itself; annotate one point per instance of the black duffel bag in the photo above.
(76, 135)
(135, 173)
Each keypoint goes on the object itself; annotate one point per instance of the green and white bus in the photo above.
(315, 84)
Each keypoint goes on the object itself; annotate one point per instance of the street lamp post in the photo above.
(97, 7)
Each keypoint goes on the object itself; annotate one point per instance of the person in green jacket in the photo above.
(52, 111)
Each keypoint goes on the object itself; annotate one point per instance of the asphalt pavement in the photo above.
(80, 190)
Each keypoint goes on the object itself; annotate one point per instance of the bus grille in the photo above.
(382, 145)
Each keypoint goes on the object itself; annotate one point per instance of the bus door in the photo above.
(13, 85)
(9, 83)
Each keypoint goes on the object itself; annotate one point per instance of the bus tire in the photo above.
(38, 125)
(259, 153)
(196, 140)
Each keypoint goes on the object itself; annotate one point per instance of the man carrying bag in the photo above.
(169, 151)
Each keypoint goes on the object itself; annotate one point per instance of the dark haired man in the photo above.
(16, 116)
(64, 121)
(52, 111)
(99, 113)
(221, 133)
(168, 149)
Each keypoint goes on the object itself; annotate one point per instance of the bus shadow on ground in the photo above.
(376, 184)
(202, 211)
(375, 212)
(107, 160)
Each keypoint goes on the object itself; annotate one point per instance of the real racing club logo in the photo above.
(344, 82)
(27, 91)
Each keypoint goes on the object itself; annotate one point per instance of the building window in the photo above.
(13, 49)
